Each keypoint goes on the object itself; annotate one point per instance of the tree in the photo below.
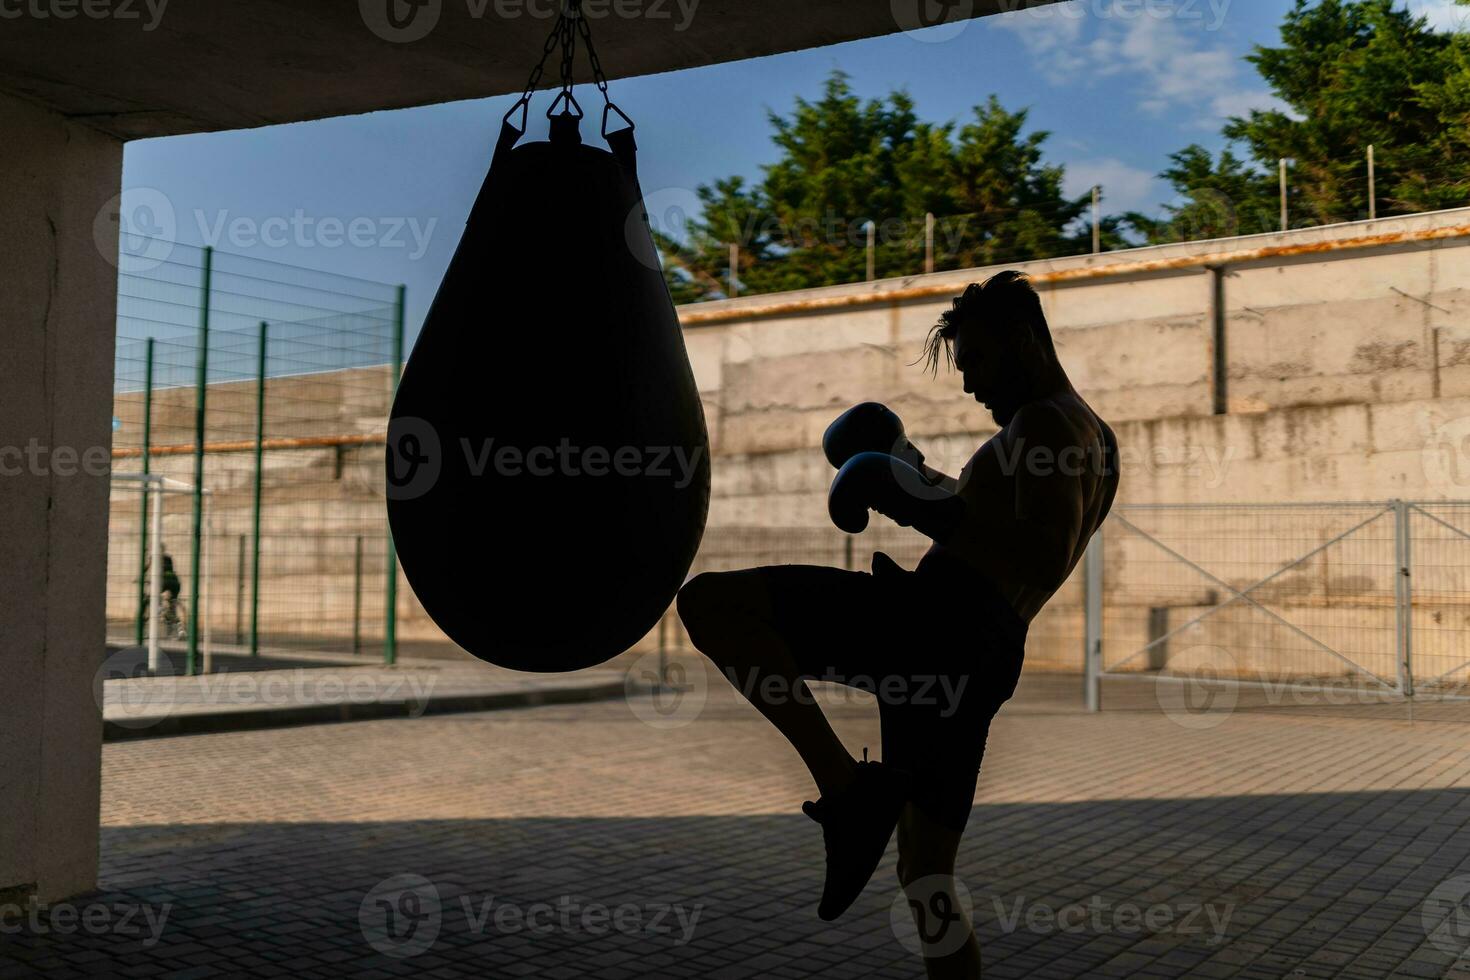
(1351, 73)
(843, 163)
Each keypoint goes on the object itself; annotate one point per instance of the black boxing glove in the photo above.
(868, 428)
(896, 490)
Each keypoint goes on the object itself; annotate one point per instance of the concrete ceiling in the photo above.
(138, 68)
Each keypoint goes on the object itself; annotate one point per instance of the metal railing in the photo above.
(1368, 596)
(266, 388)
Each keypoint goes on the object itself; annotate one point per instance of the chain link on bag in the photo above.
(570, 24)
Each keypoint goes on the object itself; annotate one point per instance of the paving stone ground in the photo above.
(600, 840)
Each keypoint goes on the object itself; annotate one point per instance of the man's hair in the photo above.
(1004, 302)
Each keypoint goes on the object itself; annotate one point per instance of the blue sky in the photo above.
(1119, 84)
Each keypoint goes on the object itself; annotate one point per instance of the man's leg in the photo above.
(926, 855)
(730, 618)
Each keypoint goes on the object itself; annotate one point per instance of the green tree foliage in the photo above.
(1350, 73)
(844, 162)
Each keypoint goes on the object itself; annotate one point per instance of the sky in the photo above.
(1119, 84)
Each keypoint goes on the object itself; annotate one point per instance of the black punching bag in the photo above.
(548, 463)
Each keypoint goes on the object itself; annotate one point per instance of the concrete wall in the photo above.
(1346, 377)
(57, 316)
(1341, 370)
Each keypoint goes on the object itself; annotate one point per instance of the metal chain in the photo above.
(571, 23)
(568, 47)
(597, 75)
(552, 40)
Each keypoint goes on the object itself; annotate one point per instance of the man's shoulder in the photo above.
(1065, 417)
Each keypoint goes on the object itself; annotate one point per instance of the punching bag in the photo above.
(548, 463)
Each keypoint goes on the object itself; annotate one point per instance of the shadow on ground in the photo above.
(1320, 884)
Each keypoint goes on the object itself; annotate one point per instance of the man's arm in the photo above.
(1033, 544)
(939, 479)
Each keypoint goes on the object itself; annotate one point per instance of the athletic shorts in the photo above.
(939, 647)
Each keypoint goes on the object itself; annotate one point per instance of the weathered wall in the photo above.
(57, 315)
(1346, 376)
(1342, 369)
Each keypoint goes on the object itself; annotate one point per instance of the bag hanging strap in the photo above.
(570, 24)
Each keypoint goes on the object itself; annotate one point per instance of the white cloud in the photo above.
(1228, 104)
(1125, 188)
(1444, 15)
(1173, 57)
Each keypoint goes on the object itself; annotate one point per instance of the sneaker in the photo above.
(856, 828)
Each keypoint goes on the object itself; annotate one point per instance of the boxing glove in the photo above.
(896, 490)
(868, 428)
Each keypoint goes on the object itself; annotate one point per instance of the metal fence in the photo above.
(1054, 642)
(263, 390)
(1368, 598)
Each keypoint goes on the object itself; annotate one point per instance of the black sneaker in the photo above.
(856, 828)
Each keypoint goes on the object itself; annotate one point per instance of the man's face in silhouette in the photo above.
(992, 371)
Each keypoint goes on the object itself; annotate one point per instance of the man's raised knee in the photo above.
(698, 602)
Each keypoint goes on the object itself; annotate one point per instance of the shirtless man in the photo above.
(941, 646)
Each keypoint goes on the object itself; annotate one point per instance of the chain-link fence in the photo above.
(1054, 643)
(1368, 600)
(262, 390)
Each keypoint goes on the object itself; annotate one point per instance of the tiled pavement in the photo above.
(1310, 840)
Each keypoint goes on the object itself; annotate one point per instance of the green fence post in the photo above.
(240, 592)
(357, 598)
(201, 382)
(390, 624)
(255, 505)
(147, 463)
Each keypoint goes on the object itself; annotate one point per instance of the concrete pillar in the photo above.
(57, 321)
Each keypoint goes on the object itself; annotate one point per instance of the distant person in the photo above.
(942, 645)
(170, 595)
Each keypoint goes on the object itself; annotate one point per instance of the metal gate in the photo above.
(1369, 600)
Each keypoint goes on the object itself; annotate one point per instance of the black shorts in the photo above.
(939, 647)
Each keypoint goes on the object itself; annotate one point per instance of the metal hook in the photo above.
(523, 104)
(609, 108)
(572, 103)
